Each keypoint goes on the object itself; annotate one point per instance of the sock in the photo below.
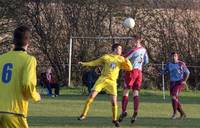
(179, 107)
(136, 103)
(114, 112)
(87, 106)
(174, 105)
(124, 103)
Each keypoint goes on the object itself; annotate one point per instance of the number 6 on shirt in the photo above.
(7, 73)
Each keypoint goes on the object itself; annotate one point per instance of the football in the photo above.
(129, 22)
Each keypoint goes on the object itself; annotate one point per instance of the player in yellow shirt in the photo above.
(17, 81)
(112, 63)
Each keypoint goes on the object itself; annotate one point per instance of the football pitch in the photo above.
(154, 112)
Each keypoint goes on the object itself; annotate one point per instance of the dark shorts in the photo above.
(133, 80)
(176, 87)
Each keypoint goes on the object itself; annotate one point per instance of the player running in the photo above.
(133, 79)
(112, 63)
(179, 74)
(18, 81)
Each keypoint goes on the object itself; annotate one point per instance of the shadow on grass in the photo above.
(106, 122)
(147, 98)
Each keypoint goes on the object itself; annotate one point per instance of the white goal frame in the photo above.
(104, 38)
(95, 38)
(114, 38)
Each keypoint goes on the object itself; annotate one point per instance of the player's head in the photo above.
(49, 69)
(136, 40)
(174, 56)
(117, 49)
(21, 37)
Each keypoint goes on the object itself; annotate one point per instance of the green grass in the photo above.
(62, 111)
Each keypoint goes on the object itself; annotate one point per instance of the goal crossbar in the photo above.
(95, 38)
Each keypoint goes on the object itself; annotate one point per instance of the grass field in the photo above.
(62, 111)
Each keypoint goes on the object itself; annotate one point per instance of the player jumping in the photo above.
(112, 63)
(133, 79)
(179, 74)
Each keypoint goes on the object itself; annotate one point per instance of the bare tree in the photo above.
(166, 25)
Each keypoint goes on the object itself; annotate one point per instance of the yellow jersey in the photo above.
(111, 65)
(17, 82)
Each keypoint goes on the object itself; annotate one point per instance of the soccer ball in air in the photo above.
(129, 22)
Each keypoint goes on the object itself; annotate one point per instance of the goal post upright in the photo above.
(70, 61)
(163, 81)
(95, 38)
(72, 38)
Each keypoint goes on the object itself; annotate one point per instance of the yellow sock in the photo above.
(114, 112)
(87, 106)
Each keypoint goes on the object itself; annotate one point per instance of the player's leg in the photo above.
(114, 110)
(174, 106)
(179, 106)
(173, 93)
(180, 109)
(99, 85)
(135, 105)
(124, 104)
(128, 80)
(90, 99)
(136, 89)
(175, 89)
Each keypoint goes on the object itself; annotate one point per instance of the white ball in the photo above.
(129, 22)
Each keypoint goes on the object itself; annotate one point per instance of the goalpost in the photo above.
(103, 38)
(95, 38)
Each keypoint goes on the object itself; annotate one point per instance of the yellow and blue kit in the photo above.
(17, 86)
(111, 66)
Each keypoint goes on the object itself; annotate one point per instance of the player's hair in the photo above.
(114, 46)
(137, 37)
(19, 36)
(172, 53)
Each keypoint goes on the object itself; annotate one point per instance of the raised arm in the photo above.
(96, 62)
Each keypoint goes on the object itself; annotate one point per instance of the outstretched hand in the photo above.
(37, 97)
(80, 63)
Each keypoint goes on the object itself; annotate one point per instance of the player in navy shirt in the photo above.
(178, 73)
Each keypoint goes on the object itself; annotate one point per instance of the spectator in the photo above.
(42, 81)
(51, 83)
(54, 85)
(48, 80)
(90, 76)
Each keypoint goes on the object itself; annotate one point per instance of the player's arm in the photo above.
(186, 73)
(146, 58)
(96, 62)
(126, 64)
(129, 54)
(30, 80)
